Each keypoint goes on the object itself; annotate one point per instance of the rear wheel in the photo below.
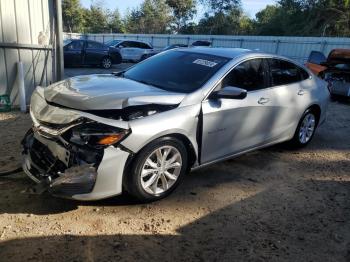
(157, 170)
(306, 129)
(106, 62)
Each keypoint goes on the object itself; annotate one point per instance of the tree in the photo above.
(115, 22)
(183, 11)
(96, 19)
(222, 17)
(72, 15)
(221, 6)
(153, 17)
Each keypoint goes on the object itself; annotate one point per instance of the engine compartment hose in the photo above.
(11, 172)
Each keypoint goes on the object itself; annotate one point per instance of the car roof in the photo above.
(219, 51)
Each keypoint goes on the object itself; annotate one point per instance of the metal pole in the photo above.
(59, 41)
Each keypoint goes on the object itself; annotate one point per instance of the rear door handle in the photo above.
(263, 101)
(301, 92)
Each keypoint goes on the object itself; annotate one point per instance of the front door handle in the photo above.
(301, 92)
(263, 101)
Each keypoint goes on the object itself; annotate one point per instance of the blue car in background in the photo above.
(87, 52)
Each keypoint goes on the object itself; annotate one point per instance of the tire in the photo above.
(106, 62)
(147, 161)
(306, 129)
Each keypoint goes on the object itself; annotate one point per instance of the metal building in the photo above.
(30, 33)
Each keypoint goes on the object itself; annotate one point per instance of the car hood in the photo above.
(100, 92)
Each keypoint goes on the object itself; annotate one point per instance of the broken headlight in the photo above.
(97, 135)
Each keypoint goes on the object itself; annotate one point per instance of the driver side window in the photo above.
(249, 75)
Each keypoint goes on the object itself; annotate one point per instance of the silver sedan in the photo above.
(142, 130)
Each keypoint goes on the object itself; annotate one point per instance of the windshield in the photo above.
(177, 71)
(113, 42)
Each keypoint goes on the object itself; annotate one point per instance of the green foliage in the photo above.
(286, 17)
(182, 11)
(305, 18)
(153, 16)
(72, 16)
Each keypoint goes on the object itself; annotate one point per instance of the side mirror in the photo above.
(120, 46)
(230, 92)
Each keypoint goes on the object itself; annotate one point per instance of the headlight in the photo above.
(97, 135)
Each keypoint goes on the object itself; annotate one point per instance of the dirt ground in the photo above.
(270, 205)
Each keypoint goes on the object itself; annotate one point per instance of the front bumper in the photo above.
(72, 172)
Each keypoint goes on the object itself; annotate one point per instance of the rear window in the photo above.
(177, 71)
(283, 72)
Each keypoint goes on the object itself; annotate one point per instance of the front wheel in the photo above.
(305, 130)
(106, 62)
(157, 169)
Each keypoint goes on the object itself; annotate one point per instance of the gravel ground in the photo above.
(269, 205)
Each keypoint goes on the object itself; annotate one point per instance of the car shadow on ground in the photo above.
(281, 223)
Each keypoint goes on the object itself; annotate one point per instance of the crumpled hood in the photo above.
(99, 92)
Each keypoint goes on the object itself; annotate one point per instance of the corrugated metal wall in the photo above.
(297, 48)
(26, 28)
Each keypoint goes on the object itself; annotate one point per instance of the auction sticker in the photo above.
(204, 62)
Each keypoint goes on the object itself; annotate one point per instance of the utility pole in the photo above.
(59, 41)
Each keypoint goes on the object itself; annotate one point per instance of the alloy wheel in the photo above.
(106, 63)
(161, 170)
(307, 128)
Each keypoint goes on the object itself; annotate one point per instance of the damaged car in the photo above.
(334, 69)
(140, 131)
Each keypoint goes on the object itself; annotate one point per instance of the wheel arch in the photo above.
(317, 110)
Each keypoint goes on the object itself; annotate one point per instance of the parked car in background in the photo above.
(335, 69)
(154, 52)
(131, 50)
(141, 130)
(87, 52)
(202, 43)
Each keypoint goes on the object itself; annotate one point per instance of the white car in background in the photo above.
(132, 50)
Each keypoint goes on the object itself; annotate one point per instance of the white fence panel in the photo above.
(297, 48)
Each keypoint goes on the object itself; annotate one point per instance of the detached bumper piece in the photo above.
(63, 170)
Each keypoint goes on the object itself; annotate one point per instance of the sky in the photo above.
(251, 7)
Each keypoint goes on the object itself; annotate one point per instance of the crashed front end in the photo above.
(72, 154)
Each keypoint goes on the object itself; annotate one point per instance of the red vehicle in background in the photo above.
(335, 69)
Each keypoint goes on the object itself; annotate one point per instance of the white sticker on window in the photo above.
(204, 62)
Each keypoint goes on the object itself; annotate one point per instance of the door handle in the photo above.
(301, 92)
(263, 101)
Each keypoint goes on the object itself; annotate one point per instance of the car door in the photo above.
(130, 50)
(73, 53)
(94, 52)
(231, 126)
(290, 88)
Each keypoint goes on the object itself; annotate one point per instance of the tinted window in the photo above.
(177, 71)
(284, 73)
(248, 75)
(95, 45)
(75, 45)
(144, 46)
(131, 44)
